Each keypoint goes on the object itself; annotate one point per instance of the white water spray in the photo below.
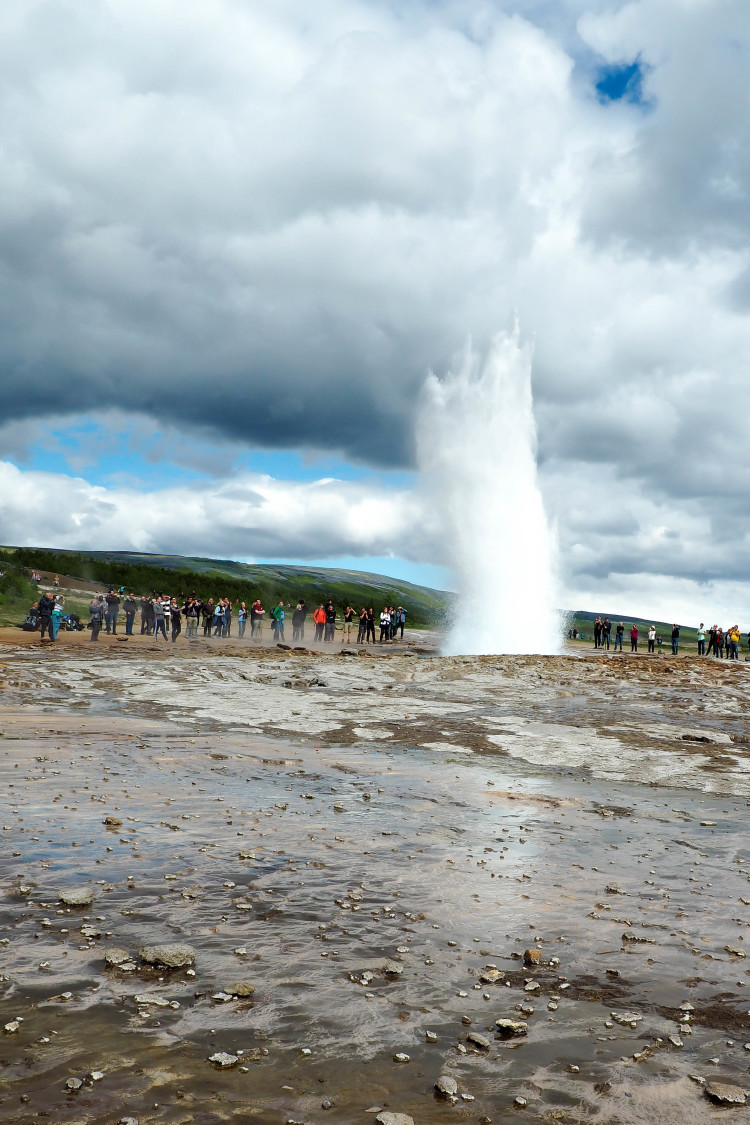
(476, 441)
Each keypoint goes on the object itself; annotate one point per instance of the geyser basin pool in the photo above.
(297, 866)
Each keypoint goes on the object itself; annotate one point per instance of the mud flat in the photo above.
(371, 861)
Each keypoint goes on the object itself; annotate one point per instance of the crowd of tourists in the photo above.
(162, 615)
(714, 641)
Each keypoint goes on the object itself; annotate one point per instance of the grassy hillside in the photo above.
(174, 574)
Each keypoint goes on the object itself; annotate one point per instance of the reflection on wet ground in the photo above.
(301, 870)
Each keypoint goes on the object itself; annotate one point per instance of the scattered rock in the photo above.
(223, 1060)
(112, 822)
(240, 988)
(386, 1118)
(509, 1028)
(115, 957)
(168, 956)
(478, 1040)
(626, 1019)
(532, 956)
(77, 896)
(446, 1086)
(73, 1084)
(151, 1000)
(725, 1094)
(401, 1057)
(393, 969)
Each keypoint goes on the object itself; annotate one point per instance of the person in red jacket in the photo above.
(319, 617)
(634, 639)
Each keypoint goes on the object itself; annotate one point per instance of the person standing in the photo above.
(371, 626)
(734, 643)
(96, 616)
(145, 607)
(257, 613)
(46, 605)
(319, 617)
(219, 617)
(113, 609)
(701, 639)
(606, 630)
(227, 629)
(597, 632)
(176, 619)
(619, 634)
(207, 612)
(57, 613)
(651, 638)
(362, 627)
(718, 640)
(385, 625)
(130, 606)
(191, 609)
(330, 622)
(346, 635)
(241, 620)
(675, 639)
(277, 616)
(159, 626)
(298, 621)
(634, 639)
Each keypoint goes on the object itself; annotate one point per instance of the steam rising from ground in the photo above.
(476, 441)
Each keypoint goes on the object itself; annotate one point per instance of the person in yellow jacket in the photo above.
(734, 643)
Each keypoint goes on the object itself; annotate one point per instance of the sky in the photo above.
(235, 237)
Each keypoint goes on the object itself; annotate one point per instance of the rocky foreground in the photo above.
(295, 887)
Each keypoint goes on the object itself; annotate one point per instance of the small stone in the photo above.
(489, 976)
(241, 988)
(478, 1040)
(12, 1027)
(73, 1084)
(431, 1037)
(77, 896)
(626, 1019)
(520, 1102)
(223, 1060)
(386, 1118)
(725, 1094)
(151, 1000)
(509, 1028)
(128, 1121)
(393, 969)
(401, 1057)
(532, 956)
(734, 952)
(446, 1086)
(112, 822)
(675, 1041)
(114, 957)
(170, 956)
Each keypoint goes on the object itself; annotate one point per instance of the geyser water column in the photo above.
(476, 441)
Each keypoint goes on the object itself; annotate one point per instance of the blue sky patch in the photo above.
(620, 82)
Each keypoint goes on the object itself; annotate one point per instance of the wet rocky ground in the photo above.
(369, 862)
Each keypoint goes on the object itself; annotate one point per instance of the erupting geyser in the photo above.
(476, 442)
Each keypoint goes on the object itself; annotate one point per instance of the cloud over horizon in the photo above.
(260, 227)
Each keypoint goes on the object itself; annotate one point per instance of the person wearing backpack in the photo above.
(277, 616)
